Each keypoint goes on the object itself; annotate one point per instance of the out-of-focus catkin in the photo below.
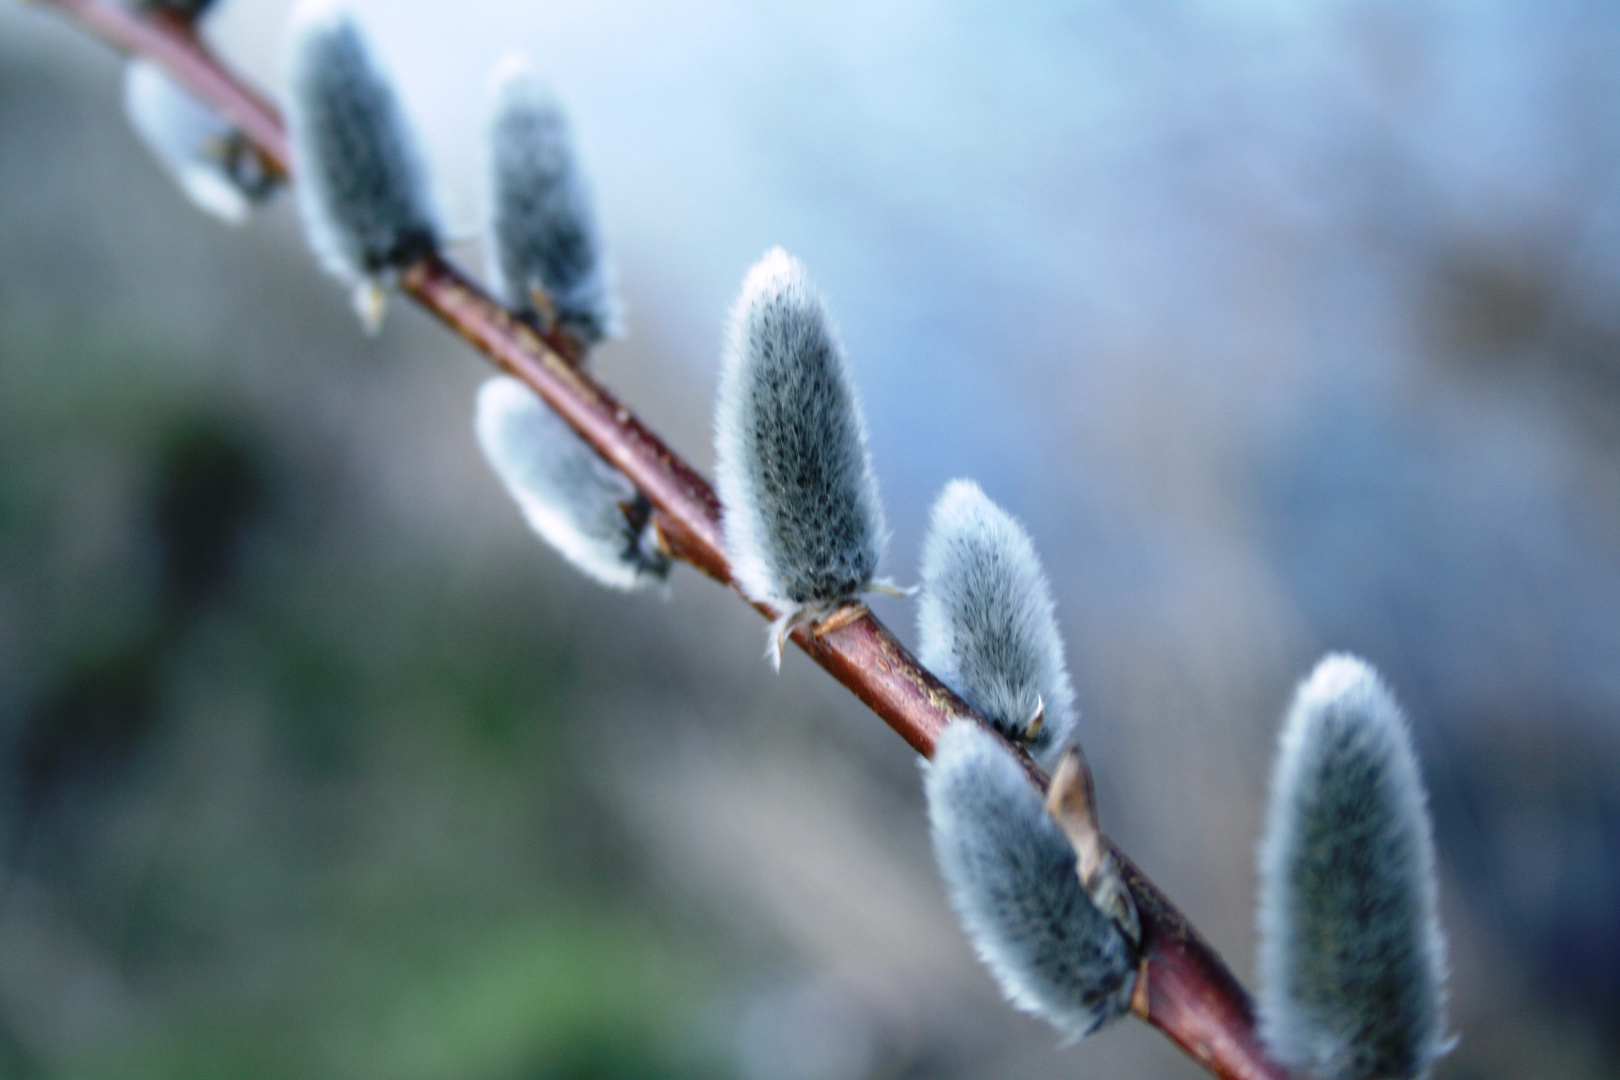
(363, 189)
(575, 501)
(1352, 961)
(213, 163)
(546, 257)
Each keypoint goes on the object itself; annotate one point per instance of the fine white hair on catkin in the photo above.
(1352, 960)
(363, 190)
(578, 503)
(802, 518)
(986, 623)
(209, 159)
(1011, 876)
(542, 232)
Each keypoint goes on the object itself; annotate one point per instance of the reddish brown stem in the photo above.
(1186, 991)
(171, 43)
(1184, 988)
(862, 655)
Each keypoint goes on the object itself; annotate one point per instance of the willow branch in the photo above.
(1183, 988)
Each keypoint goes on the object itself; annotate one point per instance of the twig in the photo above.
(1183, 988)
(171, 42)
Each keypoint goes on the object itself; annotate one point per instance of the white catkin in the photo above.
(542, 233)
(802, 518)
(1352, 960)
(986, 623)
(209, 159)
(363, 190)
(573, 499)
(1011, 876)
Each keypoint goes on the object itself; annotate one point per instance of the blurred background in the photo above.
(1285, 328)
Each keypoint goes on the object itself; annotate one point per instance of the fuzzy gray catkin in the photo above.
(986, 625)
(546, 256)
(578, 503)
(802, 518)
(1352, 961)
(1011, 876)
(212, 162)
(362, 188)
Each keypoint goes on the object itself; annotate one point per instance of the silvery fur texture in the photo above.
(576, 501)
(1011, 876)
(211, 161)
(542, 231)
(363, 190)
(803, 521)
(986, 623)
(1352, 961)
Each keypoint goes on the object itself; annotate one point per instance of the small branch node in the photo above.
(1072, 802)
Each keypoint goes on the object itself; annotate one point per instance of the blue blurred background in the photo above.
(1284, 327)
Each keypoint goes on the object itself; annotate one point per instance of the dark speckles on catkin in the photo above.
(802, 519)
